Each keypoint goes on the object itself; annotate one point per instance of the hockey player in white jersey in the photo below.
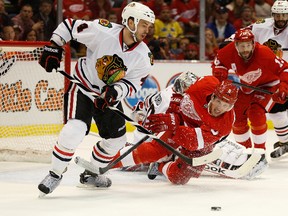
(273, 33)
(116, 64)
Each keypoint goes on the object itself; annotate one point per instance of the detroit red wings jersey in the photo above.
(264, 30)
(105, 49)
(203, 129)
(264, 69)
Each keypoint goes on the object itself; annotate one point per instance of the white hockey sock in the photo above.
(61, 157)
(99, 156)
(280, 121)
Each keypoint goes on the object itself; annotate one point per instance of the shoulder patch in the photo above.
(158, 99)
(105, 23)
(259, 21)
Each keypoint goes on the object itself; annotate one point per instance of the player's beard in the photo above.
(246, 55)
(280, 24)
(140, 37)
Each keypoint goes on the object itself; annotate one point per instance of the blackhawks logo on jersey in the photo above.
(259, 21)
(105, 23)
(110, 69)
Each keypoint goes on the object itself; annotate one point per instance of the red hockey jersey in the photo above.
(203, 129)
(264, 69)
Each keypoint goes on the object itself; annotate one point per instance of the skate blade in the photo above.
(90, 187)
(282, 157)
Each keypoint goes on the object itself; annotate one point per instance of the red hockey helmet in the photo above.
(244, 35)
(227, 92)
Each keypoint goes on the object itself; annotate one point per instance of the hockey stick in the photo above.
(98, 170)
(101, 170)
(191, 161)
(242, 171)
(252, 87)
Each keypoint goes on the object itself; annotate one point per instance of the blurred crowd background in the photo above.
(174, 36)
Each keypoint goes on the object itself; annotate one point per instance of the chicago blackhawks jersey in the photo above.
(264, 30)
(107, 54)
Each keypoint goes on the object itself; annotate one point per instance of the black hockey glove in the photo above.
(107, 98)
(51, 58)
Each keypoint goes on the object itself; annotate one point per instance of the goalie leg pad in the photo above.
(236, 161)
(233, 158)
(232, 154)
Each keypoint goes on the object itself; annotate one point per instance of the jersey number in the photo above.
(81, 27)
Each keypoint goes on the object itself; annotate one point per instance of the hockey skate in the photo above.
(88, 178)
(153, 172)
(276, 145)
(49, 183)
(258, 169)
(279, 149)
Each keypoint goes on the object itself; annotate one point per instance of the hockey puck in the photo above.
(215, 208)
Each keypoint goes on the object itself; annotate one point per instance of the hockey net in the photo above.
(31, 102)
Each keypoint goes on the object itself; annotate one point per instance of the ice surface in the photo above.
(132, 193)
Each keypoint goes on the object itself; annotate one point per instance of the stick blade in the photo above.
(86, 165)
(248, 165)
(214, 155)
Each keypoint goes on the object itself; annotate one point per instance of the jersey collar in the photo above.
(125, 47)
(278, 31)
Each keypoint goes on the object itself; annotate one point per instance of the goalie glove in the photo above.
(108, 97)
(280, 96)
(51, 58)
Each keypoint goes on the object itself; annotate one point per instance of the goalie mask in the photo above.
(137, 11)
(279, 12)
(183, 81)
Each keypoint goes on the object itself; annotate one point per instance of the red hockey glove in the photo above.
(51, 58)
(107, 98)
(174, 105)
(163, 122)
(280, 96)
(220, 73)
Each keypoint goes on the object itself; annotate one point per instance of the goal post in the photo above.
(31, 102)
